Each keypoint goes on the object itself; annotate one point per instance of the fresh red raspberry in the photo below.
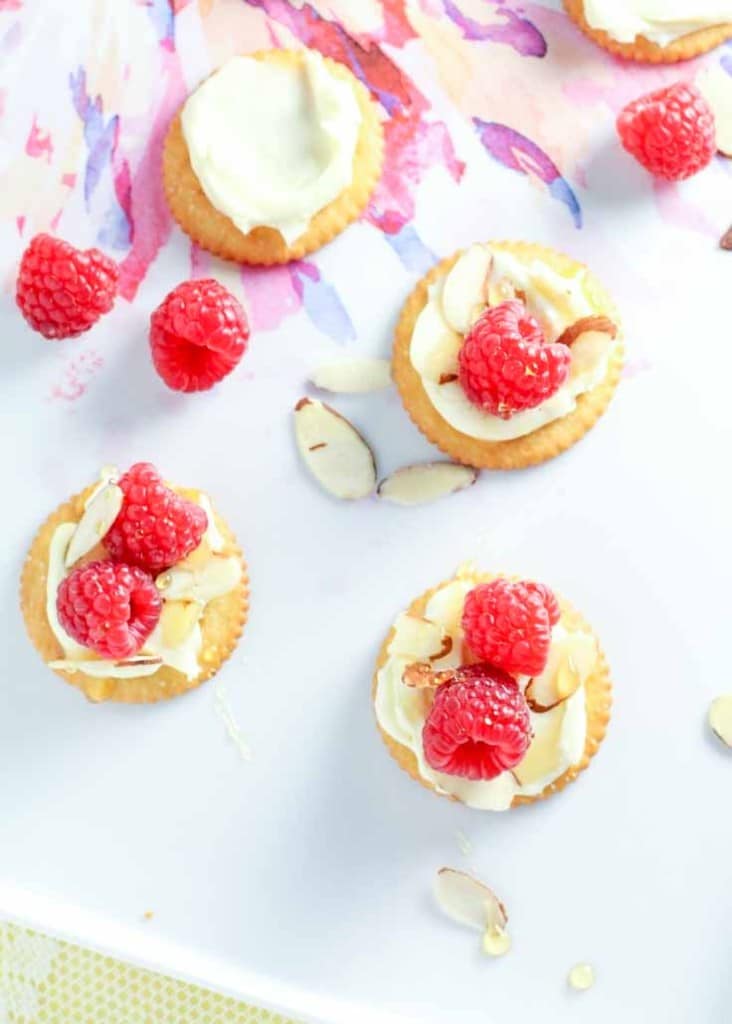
(62, 291)
(155, 527)
(110, 607)
(670, 131)
(505, 366)
(198, 334)
(510, 624)
(478, 725)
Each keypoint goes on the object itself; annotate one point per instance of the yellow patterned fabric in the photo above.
(45, 981)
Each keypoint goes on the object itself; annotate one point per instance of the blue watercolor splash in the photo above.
(520, 154)
(515, 31)
(411, 250)
(321, 302)
(163, 18)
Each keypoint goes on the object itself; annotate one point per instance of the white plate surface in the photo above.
(303, 879)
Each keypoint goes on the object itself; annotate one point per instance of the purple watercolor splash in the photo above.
(162, 14)
(515, 31)
(411, 250)
(100, 136)
(321, 301)
(520, 154)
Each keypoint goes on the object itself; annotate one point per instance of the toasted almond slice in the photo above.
(725, 241)
(214, 579)
(425, 482)
(139, 661)
(581, 977)
(720, 718)
(587, 352)
(544, 753)
(421, 675)
(417, 637)
(496, 941)
(601, 324)
(715, 85)
(570, 662)
(99, 667)
(350, 376)
(469, 901)
(177, 620)
(334, 451)
(463, 294)
(95, 523)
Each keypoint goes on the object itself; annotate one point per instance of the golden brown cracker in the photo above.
(538, 446)
(643, 50)
(598, 696)
(221, 624)
(214, 231)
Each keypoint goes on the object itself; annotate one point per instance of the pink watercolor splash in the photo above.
(144, 198)
(39, 142)
(676, 210)
(11, 5)
(270, 296)
(77, 374)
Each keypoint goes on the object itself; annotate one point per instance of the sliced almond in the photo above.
(425, 482)
(715, 85)
(334, 451)
(499, 291)
(99, 667)
(720, 718)
(601, 324)
(496, 941)
(351, 376)
(588, 350)
(177, 620)
(725, 241)
(469, 901)
(421, 676)
(95, 522)
(581, 977)
(417, 637)
(570, 662)
(440, 364)
(139, 661)
(463, 294)
(544, 753)
(215, 578)
(198, 558)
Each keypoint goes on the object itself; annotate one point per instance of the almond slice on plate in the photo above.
(425, 482)
(334, 451)
(599, 324)
(419, 638)
(469, 901)
(720, 718)
(351, 376)
(95, 522)
(715, 85)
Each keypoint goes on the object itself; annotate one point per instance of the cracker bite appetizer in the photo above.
(134, 590)
(272, 156)
(492, 691)
(506, 354)
(654, 31)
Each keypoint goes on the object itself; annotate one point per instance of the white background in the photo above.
(304, 877)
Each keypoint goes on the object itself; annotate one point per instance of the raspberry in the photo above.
(110, 607)
(670, 131)
(62, 291)
(155, 527)
(478, 725)
(510, 624)
(505, 366)
(198, 334)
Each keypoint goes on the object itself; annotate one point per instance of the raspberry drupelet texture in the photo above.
(62, 291)
(670, 131)
(478, 725)
(109, 607)
(155, 527)
(510, 624)
(198, 334)
(504, 365)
